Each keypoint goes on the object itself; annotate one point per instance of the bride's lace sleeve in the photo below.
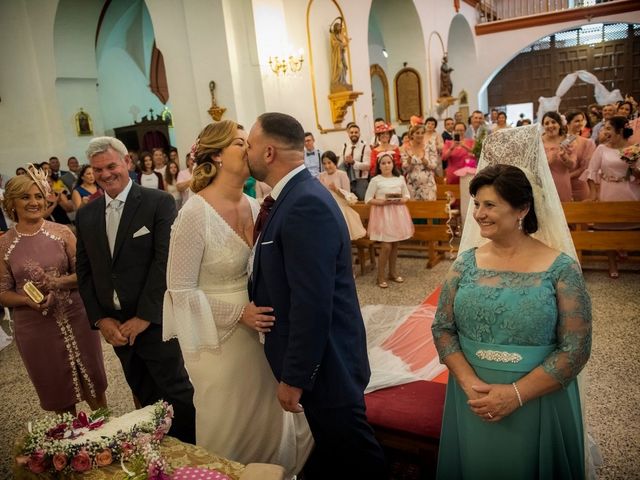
(197, 320)
(444, 328)
(574, 327)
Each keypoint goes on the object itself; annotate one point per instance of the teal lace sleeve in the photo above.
(444, 328)
(574, 326)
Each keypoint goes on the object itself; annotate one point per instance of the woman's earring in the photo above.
(519, 223)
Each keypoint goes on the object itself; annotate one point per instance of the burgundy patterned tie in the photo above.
(265, 208)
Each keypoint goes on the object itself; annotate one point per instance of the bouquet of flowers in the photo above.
(630, 155)
(65, 444)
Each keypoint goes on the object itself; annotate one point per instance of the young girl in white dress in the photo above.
(389, 219)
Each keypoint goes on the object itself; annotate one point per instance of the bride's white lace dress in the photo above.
(237, 411)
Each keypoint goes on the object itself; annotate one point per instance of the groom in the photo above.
(302, 268)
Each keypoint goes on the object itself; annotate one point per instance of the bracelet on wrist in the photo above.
(515, 387)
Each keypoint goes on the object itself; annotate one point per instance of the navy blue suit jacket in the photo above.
(302, 268)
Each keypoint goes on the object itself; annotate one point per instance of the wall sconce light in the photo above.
(384, 53)
(280, 64)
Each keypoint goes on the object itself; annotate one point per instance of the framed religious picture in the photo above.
(84, 126)
(408, 94)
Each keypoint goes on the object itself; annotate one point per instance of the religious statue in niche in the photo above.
(339, 43)
(446, 87)
(84, 126)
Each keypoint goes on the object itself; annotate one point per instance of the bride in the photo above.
(206, 308)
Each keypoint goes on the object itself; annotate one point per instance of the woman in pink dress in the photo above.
(584, 148)
(560, 154)
(337, 182)
(457, 153)
(62, 354)
(608, 171)
(389, 220)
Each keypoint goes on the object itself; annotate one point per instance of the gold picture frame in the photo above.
(376, 70)
(84, 125)
(408, 90)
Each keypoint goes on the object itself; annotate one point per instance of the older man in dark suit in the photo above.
(302, 268)
(123, 242)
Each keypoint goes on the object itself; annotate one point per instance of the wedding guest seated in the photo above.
(62, 355)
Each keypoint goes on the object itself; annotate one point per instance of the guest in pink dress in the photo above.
(584, 148)
(561, 154)
(611, 173)
(457, 153)
(337, 182)
(389, 220)
(61, 353)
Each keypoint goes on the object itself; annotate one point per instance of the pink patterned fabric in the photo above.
(198, 473)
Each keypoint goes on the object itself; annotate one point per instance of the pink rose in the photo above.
(81, 462)
(104, 458)
(165, 425)
(127, 449)
(59, 461)
(158, 434)
(37, 462)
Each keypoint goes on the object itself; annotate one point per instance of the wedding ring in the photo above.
(489, 414)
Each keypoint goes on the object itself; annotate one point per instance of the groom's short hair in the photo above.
(284, 128)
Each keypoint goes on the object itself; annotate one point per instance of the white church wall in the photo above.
(191, 35)
(124, 56)
(29, 117)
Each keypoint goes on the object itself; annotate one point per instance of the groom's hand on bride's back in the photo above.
(258, 318)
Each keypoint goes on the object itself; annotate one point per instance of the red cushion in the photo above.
(414, 407)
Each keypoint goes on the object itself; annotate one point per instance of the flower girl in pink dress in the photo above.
(389, 220)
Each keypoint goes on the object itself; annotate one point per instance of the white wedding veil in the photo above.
(522, 147)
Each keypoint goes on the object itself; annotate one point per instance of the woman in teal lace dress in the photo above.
(514, 328)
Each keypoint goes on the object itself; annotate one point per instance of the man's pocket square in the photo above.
(266, 243)
(141, 232)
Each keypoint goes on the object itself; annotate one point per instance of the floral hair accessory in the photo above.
(385, 127)
(40, 178)
(194, 149)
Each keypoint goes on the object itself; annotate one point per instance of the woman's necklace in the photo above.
(32, 234)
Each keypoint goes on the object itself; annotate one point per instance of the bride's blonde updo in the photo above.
(213, 138)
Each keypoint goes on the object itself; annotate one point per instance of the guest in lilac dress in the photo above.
(617, 180)
(62, 355)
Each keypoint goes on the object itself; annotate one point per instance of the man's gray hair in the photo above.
(102, 144)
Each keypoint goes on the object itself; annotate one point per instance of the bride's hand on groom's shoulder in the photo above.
(258, 318)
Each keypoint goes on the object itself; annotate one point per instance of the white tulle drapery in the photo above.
(400, 345)
(603, 96)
